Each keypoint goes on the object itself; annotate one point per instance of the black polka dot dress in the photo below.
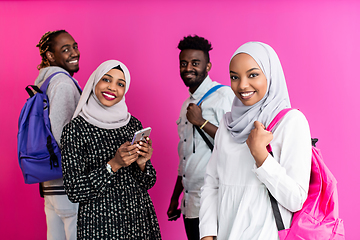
(111, 206)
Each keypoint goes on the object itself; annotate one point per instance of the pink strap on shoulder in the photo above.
(275, 121)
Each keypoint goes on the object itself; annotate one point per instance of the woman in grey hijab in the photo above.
(234, 200)
(103, 172)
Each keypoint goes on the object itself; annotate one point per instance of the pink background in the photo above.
(317, 42)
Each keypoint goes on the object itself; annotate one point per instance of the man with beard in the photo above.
(194, 153)
(59, 53)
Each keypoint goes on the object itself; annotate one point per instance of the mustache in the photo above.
(74, 58)
(193, 72)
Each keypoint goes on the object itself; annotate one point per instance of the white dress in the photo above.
(234, 200)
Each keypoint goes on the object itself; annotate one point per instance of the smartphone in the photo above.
(176, 215)
(141, 135)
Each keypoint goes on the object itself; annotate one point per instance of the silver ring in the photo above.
(129, 153)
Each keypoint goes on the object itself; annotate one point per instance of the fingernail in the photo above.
(138, 152)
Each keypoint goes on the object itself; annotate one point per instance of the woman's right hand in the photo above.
(125, 155)
(257, 141)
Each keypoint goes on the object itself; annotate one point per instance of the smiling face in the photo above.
(64, 53)
(247, 79)
(193, 68)
(111, 87)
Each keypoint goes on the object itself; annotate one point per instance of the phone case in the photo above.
(140, 135)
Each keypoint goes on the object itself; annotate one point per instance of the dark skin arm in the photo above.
(174, 202)
(125, 155)
(194, 115)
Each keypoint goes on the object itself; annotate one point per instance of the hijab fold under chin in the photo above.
(240, 120)
(91, 109)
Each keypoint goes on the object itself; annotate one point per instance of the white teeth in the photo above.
(108, 95)
(246, 94)
(75, 61)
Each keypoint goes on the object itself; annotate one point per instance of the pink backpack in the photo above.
(319, 217)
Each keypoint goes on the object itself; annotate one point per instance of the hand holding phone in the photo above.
(141, 135)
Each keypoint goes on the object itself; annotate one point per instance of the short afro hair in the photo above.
(197, 43)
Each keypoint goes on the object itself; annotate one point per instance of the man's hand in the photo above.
(194, 115)
(172, 208)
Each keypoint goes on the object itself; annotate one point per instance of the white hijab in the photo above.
(240, 120)
(91, 109)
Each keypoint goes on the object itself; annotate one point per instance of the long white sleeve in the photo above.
(235, 202)
(209, 198)
(287, 174)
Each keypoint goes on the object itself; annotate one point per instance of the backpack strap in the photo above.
(31, 92)
(275, 121)
(277, 118)
(208, 93)
(54, 161)
(44, 86)
(202, 134)
(274, 205)
(207, 141)
(46, 83)
(276, 211)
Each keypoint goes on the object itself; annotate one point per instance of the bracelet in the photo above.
(204, 124)
(108, 168)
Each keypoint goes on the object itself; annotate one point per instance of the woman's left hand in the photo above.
(257, 141)
(145, 152)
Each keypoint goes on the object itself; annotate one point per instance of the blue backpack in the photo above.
(38, 152)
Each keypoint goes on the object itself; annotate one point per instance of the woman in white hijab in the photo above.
(235, 202)
(103, 172)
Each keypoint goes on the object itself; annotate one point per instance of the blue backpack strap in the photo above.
(202, 134)
(47, 81)
(208, 93)
(43, 86)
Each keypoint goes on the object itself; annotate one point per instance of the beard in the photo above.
(195, 80)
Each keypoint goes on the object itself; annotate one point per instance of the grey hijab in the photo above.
(91, 109)
(240, 120)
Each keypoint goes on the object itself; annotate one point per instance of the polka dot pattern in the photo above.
(111, 206)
